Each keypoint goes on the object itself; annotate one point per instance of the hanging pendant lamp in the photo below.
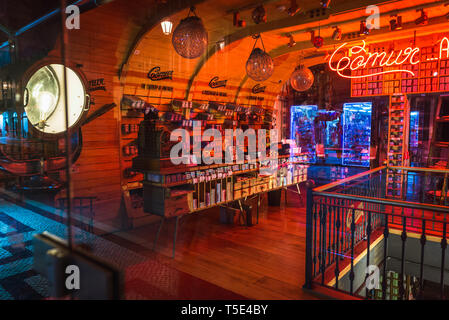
(260, 65)
(190, 37)
(302, 78)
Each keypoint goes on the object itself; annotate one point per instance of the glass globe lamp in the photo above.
(301, 79)
(190, 38)
(260, 65)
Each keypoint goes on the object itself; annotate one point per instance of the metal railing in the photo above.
(355, 220)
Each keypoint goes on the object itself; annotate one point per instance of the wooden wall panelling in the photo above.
(99, 46)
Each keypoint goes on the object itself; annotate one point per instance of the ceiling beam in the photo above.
(251, 6)
(437, 23)
(382, 14)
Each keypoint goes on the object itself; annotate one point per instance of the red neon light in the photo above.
(446, 41)
(364, 57)
(381, 59)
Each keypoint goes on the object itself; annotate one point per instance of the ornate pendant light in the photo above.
(302, 78)
(260, 65)
(167, 26)
(190, 37)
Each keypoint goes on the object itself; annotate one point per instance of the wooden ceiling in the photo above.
(149, 47)
(152, 48)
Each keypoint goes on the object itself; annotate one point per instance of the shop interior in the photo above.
(243, 149)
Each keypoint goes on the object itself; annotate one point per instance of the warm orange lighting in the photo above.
(363, 58)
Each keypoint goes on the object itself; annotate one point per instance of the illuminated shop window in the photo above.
(303, 129)
(414, 129)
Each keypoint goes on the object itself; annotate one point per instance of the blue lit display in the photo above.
(414, 129)
(302, 130)
(356, 134)
(9, 125)
(332, 134)
(329, 127)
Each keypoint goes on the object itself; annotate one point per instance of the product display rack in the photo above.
(172, 191)
(206, 187)
(398, 133)
(214, 185)
(131, 180)
(392, 291)
(439, 148)
(425, 80)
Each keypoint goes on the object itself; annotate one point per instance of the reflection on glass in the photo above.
(356, 134)
(303, 130)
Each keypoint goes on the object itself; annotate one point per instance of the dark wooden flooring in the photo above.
(265, 261)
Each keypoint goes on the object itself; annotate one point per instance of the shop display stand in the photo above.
(393, 283)
(398, 127)
(290, 172)
(131, 180)
(173, 191)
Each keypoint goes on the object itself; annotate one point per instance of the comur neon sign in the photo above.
(359, 58)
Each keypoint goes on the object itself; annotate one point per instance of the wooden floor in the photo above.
(265, 261)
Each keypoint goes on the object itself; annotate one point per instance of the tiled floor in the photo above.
(146, 277)
(17, 225)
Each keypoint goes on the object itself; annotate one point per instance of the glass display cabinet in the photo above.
(357, 134)
(303, 130)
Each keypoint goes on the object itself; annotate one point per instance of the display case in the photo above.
(328, 127)
(356, 134)
(303, 130)
(173, 190)
(333, 134)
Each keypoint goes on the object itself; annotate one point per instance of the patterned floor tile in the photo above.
(39, 284)
(145, 278)
(4, 295)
